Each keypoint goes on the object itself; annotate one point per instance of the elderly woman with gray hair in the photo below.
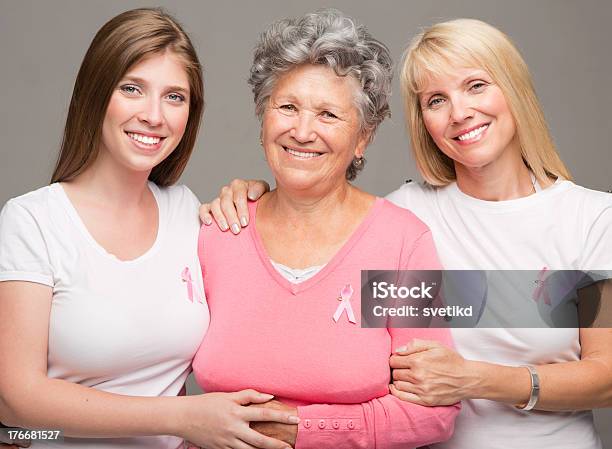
(291, 325)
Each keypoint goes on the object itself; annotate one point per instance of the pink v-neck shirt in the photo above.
(278, 337)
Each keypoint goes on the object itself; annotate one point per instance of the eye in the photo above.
(328, 114)
(435, 102)
(288, 107)
(478, 86)
(130, 89)
(177, 98)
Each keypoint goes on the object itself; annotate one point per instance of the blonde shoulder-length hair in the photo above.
(121, 43)
(473, 43)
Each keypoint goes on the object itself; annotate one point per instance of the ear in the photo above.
(362, 143)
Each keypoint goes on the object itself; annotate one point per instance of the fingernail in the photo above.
(401, 349)
(207, 221)
(235, 228)
(223, 226)
(244, 221)
(266, 395)
(251, 196)
(294, 419)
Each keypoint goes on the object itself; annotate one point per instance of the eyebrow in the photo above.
(324, 105)
(143, 82)
(478, 73)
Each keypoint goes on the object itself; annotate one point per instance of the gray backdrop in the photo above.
(566, 45)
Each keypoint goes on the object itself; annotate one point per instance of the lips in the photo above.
(302, 154)
(144, 138)
(471, 133)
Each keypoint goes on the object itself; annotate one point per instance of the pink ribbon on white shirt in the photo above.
(554, 289)
(186, 277)
(192, 290)
(345, 296)
(541, 291)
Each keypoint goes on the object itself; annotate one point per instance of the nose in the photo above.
(302, 130)
(151, 113)
(461, 109)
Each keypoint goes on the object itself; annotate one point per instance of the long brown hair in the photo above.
(121, 43)
(473, 43)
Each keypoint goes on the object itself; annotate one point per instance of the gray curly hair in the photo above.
(330, 38)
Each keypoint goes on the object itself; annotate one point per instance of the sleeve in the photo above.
(24, 255)
(385, 422)
(399, 197)
(597, 251)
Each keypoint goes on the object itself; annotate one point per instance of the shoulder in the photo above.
(403, 231)
(27, 225)
(216, 241)
(410, 193)
(594, 199)
(178, 204)
(176, 194)
(422, 199)
(29, 207)
(401, 220)
(589, 204)
(398, 230)
(35, 198)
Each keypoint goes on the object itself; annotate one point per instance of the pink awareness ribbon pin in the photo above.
(186, 277)
(541, 292)
(345, 296)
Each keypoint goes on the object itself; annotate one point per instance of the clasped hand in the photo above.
(429, 373)
(221, 421)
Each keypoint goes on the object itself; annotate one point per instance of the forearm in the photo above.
(383, 423)
(577, 385)
(86, 412)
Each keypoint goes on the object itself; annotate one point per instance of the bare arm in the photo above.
(29, 399)
(430, 375)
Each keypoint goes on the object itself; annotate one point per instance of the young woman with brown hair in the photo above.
(101, 295)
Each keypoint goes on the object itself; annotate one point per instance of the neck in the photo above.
(504, 179)
(308, 211)
(104, 183)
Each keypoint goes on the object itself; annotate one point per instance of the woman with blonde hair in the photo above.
(100, 294)
(496, 197)
(500, 198)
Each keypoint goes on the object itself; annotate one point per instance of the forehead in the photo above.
(315, 83)
(165, 68)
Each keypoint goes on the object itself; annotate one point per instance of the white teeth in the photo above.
(148, 140)
(473, 133)
(301, 153)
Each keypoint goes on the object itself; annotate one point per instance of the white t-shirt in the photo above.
(125, 327)
(562, 227)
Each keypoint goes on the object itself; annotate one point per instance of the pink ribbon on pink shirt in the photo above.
(345, 304)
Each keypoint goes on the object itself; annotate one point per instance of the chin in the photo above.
(140, 166)
(476, 160)
(299, 183)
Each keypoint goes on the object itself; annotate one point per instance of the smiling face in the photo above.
(147, 113)
(468, 118)
(311, 128)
